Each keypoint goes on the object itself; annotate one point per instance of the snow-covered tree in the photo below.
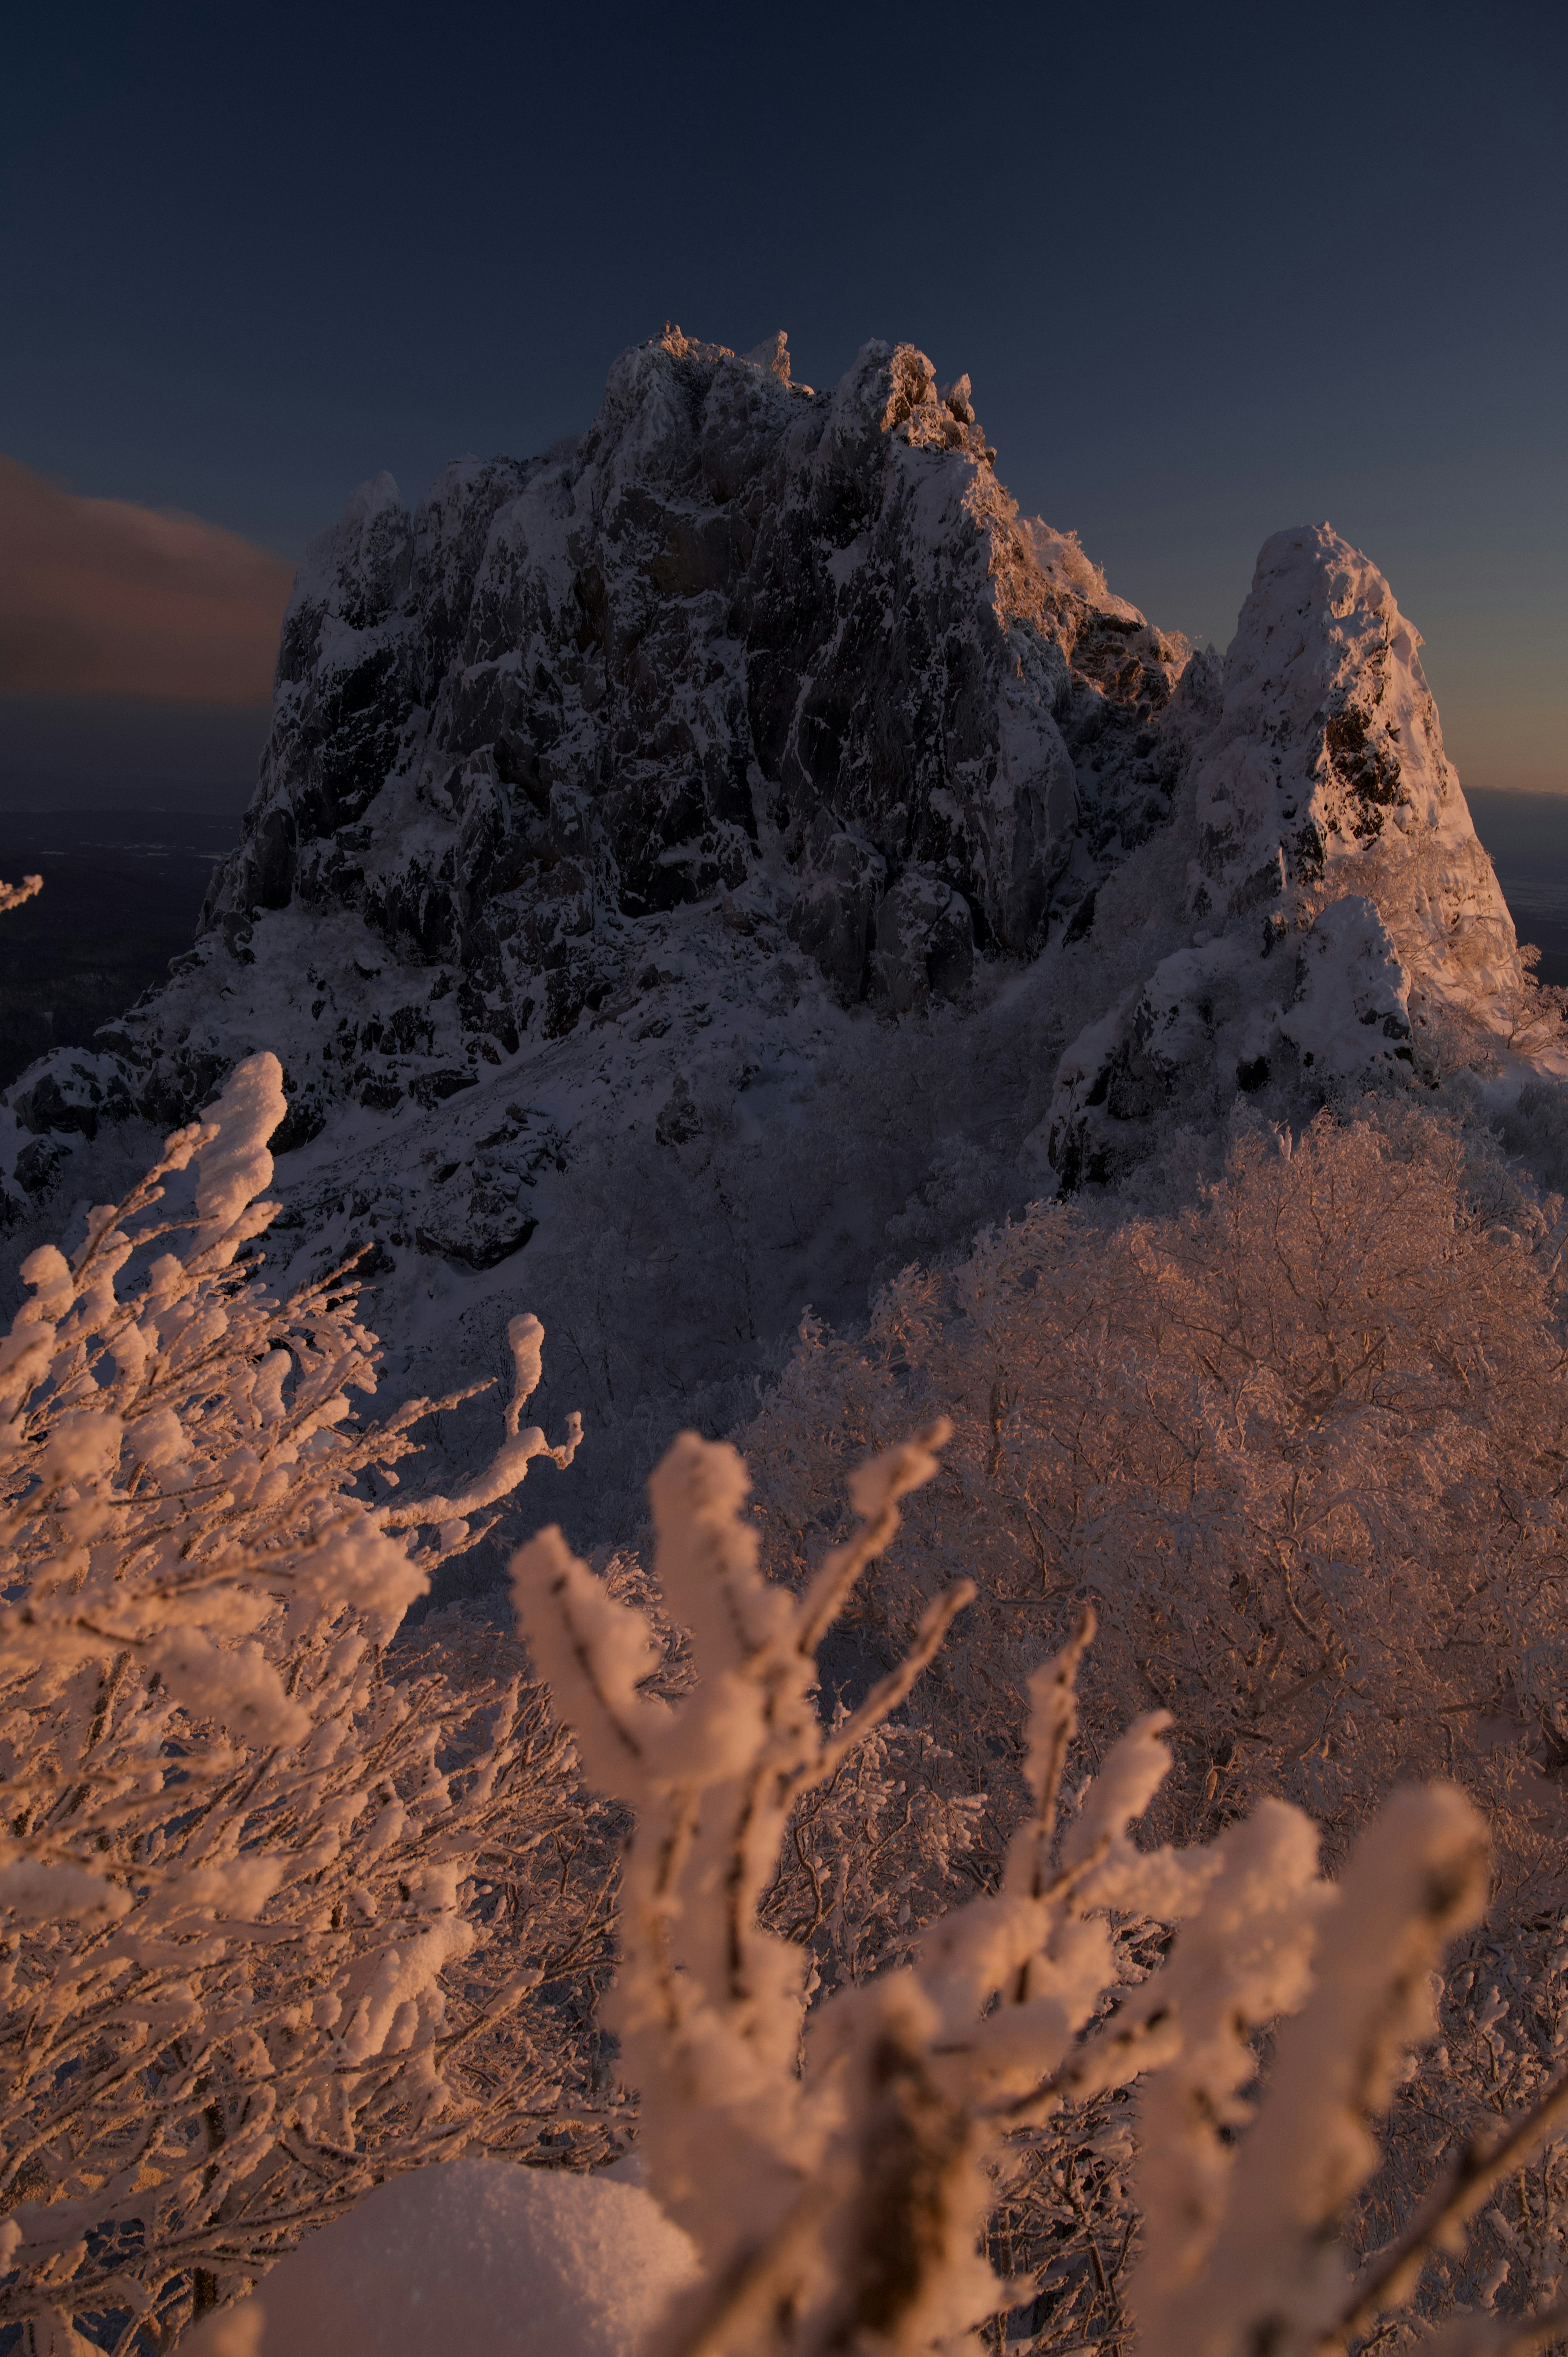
(275, 1908)
(1303, 1440)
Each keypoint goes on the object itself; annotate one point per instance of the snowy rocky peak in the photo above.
(697, 869)
(356, 574)
(794, 657)
(1336, 892)
(1072, 574)
(1328, 736)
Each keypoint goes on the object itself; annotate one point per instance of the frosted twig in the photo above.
(838, 2202)
(1389, 2278)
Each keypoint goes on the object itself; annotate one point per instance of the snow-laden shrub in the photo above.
(272, 1915)
(836, 2172)
(1303, 1440)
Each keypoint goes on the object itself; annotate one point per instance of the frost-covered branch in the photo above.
(525, 1337)
(13, 895)
(1480, 2163)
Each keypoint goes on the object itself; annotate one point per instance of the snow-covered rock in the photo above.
(676, 855)
(1333, 878)
(1351, 1006)
(475, 2258)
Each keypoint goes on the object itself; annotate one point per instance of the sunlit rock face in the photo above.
(696, 870)
(1335, 889)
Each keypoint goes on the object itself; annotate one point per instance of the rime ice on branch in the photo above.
(180, 1464)
(837, 2175)
(239, 1863)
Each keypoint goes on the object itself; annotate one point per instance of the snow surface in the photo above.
(475, 2258)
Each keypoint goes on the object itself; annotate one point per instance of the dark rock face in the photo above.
(925, 944)
(734, 618)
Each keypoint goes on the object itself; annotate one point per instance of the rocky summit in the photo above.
(698, 868)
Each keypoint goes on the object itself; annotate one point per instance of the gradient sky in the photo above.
(1213, 271)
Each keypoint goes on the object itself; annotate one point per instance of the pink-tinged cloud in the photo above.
(101, 598)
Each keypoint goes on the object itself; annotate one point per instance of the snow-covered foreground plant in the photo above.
(837, 2171)
(1301, 1439)
(270, 1916)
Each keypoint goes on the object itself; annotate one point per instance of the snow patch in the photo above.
(475, 2255)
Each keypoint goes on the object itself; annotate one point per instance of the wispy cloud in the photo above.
(102, 598)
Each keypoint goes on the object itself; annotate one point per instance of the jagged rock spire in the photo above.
(1334, 891)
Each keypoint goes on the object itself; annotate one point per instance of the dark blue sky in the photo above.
(1213, 271)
